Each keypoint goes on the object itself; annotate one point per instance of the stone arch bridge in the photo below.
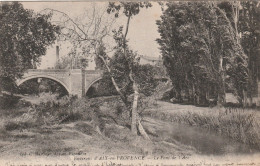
(75, 81)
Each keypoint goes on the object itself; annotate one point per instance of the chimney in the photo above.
(57, 54)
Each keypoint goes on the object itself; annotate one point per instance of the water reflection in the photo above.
(204, 141)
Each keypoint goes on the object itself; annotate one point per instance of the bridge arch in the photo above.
(19, 82)
(91, 83)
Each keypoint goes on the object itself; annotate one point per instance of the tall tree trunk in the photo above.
(83, 82)
(194, 97)
(244, 98)
(134, 109)
(135, 88)
(221, 91)
(235, 10)
(134, 113)
(250, 84)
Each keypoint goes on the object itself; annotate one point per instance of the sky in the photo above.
(142, 31)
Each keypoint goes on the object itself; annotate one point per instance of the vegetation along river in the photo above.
(203, 140)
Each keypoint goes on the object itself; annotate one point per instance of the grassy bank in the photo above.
(239, 124)
(99, 125)
(51, 110)
(68, 125)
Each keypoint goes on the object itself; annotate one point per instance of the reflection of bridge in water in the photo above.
(74, 81)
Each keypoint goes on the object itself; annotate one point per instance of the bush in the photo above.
(8, 101)
(12, 125)
(86, 128)
(26, 120)
(23, 103)
(54, 110)
(117, 133)
(168, 95)
(103, 87)
(69, 116)
(50, 110)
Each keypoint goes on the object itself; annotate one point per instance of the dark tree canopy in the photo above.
(249, 27)
(129, 8)
(201, 51)
(24, 38)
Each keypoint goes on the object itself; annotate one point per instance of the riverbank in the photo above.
(62, 127)
(239, 124)
(101, 126)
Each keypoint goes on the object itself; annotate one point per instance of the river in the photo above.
(203, 140)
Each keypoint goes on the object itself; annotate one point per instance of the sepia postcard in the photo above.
(130, 83)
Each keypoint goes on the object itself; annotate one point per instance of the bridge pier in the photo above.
(83, 82)
(76, 82)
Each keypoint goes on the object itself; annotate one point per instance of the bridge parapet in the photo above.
(70, 79)
(62, 70)
(47, 70)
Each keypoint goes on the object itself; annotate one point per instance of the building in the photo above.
(150, 60)
(70, 62)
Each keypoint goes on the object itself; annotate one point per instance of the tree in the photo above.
(143, 76)
(130, 9)
(245, 19)
(24, 38)
(91, 38)
(86, 33)
(201, 51)
(249, 28)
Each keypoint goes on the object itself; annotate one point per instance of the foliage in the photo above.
(44, 86)
(244, 17)
(29, 87)
(103, 87)
(129, 8)
(143, 74)
(51, 110)
(48, 85)
(65, 62)
(24, 38)
(101, 52)
(201, 52)
(8, 101)
(249, 28)
(144, 77)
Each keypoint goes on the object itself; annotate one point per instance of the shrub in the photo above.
(69, 116)
(23, 103)
(56, 110)
(25, 121)
(50, 110)
(8, 101)
(12, 125)
(167, 95)
(85, 128)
